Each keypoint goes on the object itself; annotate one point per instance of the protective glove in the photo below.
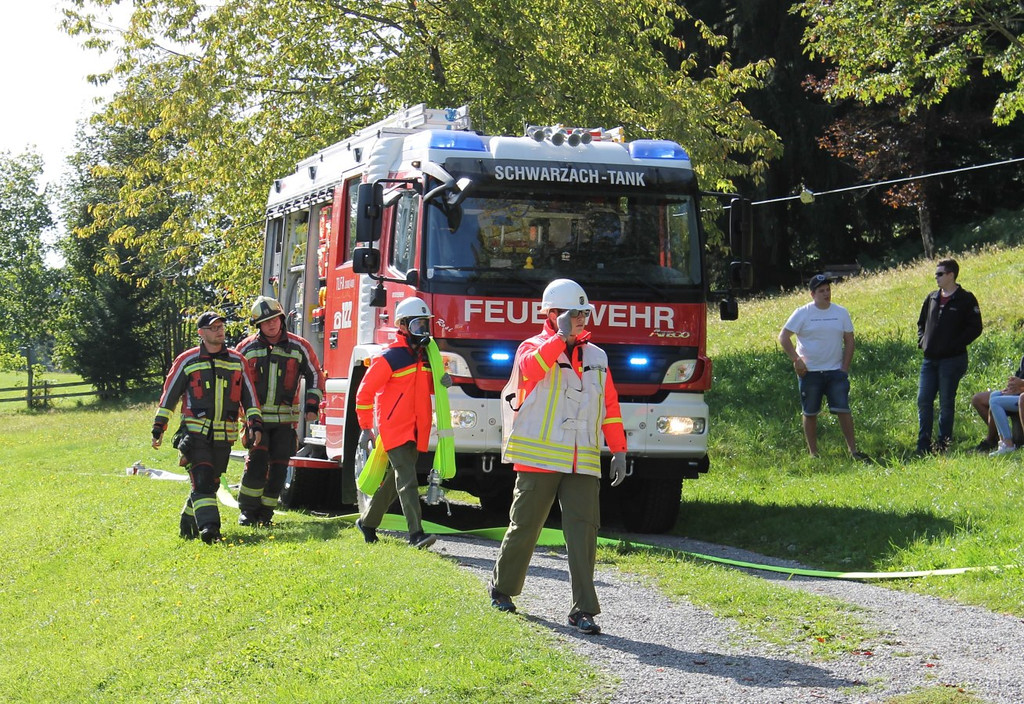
(617, 469)
(565, 324)
(446, 380)
(366, 441)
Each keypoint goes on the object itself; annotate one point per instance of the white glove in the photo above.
(617, 468)
(366, 441)
(565, 324)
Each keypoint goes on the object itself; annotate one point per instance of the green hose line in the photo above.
(444, 453)
(552, 537)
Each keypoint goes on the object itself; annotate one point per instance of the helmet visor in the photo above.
(419, 327)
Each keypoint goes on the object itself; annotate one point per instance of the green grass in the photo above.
(15, 399)
(763, 492)
(102, 601)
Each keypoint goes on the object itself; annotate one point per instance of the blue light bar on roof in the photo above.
(657, 149)
(455, 139)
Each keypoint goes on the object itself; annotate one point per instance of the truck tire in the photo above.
(650, 504)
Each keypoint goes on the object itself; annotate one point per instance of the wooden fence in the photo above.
(39, 395)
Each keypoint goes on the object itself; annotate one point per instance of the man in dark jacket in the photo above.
(213, 384)
(950, 320)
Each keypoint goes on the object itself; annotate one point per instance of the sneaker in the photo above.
(422, 540)
(210, 534)
(500, 601)
(860, 456)
(986, 446)
(369, 534)
(1003, 449)
(584, 623)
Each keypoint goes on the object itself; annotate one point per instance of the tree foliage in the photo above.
(121, 317)
(25, 282)
(918, 51)
(235, 92)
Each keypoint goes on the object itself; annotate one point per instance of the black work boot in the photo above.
(210, 533)
(188, 528)
(369, 534)
(422, 540)
(247, 519)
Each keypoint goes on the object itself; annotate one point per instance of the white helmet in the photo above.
(412, 307)
(565, 294)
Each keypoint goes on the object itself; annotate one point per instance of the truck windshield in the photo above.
(646, 243)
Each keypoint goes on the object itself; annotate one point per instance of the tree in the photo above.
(26, 285)
(120, 321)
(918, 51)
(236, 92)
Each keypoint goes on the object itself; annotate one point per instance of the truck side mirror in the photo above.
(365, 260)
(729, 309)
(369, 207)
(741, 228)
(741, 275)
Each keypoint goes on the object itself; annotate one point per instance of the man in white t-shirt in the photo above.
(821, 359)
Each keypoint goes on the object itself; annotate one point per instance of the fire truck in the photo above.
(477, 226)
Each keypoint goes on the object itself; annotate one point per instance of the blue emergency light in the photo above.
(657, 149)
(500, 356)
(638, 361)
(455, 139)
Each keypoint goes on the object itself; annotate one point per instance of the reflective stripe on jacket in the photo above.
(213, 387)
(397, 389)
(276, 369)
(567, 406)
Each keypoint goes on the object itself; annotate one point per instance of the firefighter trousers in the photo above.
(207, 461)
(399, 480)
(266, 467)
(579, 498)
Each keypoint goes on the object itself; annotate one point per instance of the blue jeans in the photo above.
(942, 377)
(833, 385)
(998, 405)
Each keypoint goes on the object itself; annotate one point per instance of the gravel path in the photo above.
(673, 652)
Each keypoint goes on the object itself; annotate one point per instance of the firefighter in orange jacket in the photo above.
(564, 401)
(213, 383)
(278, 360)
(396, 390)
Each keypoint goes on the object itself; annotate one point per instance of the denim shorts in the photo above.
(833, 385)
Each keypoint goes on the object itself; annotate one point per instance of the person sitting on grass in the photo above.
(980, 402)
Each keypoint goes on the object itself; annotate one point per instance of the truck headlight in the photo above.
(463, 419)
(680, 425)
(680, 372)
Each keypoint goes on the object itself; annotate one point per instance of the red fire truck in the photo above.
(477, 226)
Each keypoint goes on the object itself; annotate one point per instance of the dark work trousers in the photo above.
(266, 467)
(207, 461)
(579, 497)
(399, 480)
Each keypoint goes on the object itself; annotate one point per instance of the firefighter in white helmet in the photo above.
(279, 361)
(395, 396)
(564, 401)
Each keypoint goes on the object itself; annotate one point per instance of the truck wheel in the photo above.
(650, 504)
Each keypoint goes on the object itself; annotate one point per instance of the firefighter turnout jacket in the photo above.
(566, 407)
(399, 383)
(276, 369)
(213, 388)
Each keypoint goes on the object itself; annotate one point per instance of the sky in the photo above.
(43, 81)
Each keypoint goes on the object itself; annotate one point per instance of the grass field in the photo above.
(102, 602)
